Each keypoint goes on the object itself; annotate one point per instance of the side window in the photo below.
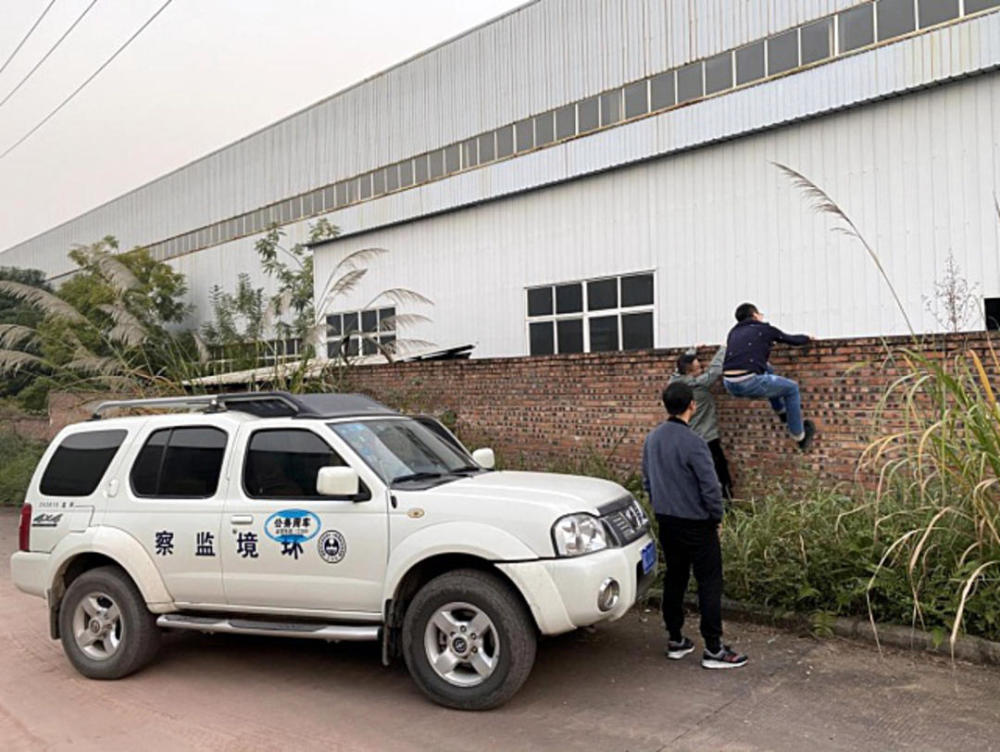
(80, 462)
(146, 469)
(283, 463)
(180, 463)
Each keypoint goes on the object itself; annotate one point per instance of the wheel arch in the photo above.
(77, 554)
(422, 572)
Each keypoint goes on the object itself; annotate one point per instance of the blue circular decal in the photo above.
(292, 526)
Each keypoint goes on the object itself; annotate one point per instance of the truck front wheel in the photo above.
(468, 641)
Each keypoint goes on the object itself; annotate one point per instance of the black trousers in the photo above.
(721, 468)
(687, 545)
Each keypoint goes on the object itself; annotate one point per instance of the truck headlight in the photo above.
(641, 517)
(577, 534)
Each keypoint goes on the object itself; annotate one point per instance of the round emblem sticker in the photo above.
(332, 546)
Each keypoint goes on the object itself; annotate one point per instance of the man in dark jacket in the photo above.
(678, 475)
(747, 373)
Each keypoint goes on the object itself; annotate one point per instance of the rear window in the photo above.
(80, 462)
(180, 463)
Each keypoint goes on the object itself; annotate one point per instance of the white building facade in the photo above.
(587, 175)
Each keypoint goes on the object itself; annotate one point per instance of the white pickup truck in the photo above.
(324, 516)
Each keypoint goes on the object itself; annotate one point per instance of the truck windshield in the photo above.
(403, 450)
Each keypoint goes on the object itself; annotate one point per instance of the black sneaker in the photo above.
(677, 650)
(725, 658)
(782, 416)
(809, 428)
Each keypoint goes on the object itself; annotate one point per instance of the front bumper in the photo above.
(29, 571)
(562, 593)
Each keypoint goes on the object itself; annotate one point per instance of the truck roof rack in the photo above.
(260, 404)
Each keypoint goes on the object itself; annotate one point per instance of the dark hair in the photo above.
(684, 362)
(677, 397)
(746, 311)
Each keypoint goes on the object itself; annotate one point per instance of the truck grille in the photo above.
(625, 520)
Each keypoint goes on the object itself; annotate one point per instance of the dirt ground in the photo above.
(606, 689)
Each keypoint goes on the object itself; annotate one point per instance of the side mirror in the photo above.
(337, 481)
(485, 458)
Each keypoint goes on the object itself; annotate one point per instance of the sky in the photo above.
(204, 74)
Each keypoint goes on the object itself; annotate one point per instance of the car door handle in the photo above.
(242, 519)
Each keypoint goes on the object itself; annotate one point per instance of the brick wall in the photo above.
(547, 410)
(73, 407)
(26, 426)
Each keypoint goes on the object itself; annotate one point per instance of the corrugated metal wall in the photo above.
(720, 225)
(542, 55)
(556, 51)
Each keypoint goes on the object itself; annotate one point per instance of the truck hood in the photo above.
(544, 493)
(520, 504)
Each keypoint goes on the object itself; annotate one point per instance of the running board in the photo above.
(306, 631)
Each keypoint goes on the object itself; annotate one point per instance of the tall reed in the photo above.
(938, 460)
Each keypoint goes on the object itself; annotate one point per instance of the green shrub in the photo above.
(18, 458)
(822, 551)
(798, 552)
(34, 398)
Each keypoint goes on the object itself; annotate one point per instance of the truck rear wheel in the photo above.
(468, 641)
(107, 631)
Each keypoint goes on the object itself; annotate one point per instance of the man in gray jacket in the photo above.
(678, 475)
(705, 422)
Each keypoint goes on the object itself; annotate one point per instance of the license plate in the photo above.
(648, 557)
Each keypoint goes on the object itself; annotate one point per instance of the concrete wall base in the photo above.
(967, 648)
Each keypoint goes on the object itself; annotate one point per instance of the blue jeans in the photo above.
(782, 393)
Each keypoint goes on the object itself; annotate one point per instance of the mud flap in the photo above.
(391, 643)
(53, 615)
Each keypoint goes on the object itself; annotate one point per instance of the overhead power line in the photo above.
(45, 57)
(90, 78)
(30, 32)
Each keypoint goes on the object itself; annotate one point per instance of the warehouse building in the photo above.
(588, 175)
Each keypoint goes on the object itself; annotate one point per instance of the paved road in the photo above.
(608, 689)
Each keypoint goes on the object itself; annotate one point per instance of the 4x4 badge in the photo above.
(332, 546)
(46, 520)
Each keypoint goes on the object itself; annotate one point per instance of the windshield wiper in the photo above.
(416, 476)
(467, 469)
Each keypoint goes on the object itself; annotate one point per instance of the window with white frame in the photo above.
(261, 352)
(593, 315)
(360, 332)
(281, 350)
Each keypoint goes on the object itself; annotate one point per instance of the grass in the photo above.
(824, 552)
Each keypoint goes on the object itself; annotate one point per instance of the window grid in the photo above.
(586, 315)
(281, 350)
(352, 324)
(360, 187)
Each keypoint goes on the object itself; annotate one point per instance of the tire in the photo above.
(97, 643)
(487, 667)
